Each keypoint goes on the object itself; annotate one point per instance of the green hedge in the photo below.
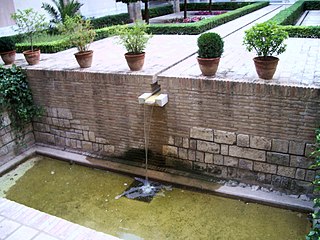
(215, 6)
(206, 24)
(63, 44)
(110, 20)
(288, 17)
(159, 11)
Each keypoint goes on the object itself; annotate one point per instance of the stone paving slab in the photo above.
(175, 56)
(19, 222)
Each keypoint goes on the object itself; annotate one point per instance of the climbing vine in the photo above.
(314, 233)
(16, 98)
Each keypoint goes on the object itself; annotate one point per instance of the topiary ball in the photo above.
(210, 45)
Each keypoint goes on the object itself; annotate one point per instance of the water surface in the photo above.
(87, 197)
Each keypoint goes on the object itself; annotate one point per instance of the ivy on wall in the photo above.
(16, 97)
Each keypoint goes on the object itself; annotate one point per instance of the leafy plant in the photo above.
(16, 97)
(134, 38)
(314, 233)
(29, 23)
(266, 39)
(210, 45)
(7, 44)
(62, 9)
(79, 32)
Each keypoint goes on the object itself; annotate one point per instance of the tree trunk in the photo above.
(146, 12)
(134, 10)
(210, 6)
(185, 9)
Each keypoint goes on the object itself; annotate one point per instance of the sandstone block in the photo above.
(286, 171)
(44, 137)
(64, 113)
(199, 156)
(201, 133)
(100, 140)
(309, 149)
(279, 145)
(310, 175)
(86, 146)
(3, 151)
(264, 167)
(199, 166)
(109, 149)
(193, 144)
(260, 142)
(208, 146)
(218, 171)
(224, 137)
(60, 141)
(208, 158)
(185, 142)
(230, 161)
(245, 164)
(253, 154)
(191, 155)
(278, 158)
(300, 174)
(296, 148)
(74, 135)
(178, 141)
(169, 150)
(300, 162)
(224, 149)
(218, 159)
(6, 138)
(183, 153)
(92, 136)
(243, 140)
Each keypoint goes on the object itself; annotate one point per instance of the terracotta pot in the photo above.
(135, 61)
(32, 57)
(266, 66)
(208, 66)
(84, 58)
(8, 57)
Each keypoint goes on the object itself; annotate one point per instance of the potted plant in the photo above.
(80, 35)
(267, 39)
(7, 50)
(210, 50)
(134, 39)
(30, 23)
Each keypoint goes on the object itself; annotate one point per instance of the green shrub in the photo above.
(215, 6)
(79, 32)
(314, 233)
(290, 15)
(133, 38)
(7, 44)
(206, 24)
(266, 39)
(101, 22)
(210, 45)
(159, 11)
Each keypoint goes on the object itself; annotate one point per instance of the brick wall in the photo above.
(10, 144)
(257, 133)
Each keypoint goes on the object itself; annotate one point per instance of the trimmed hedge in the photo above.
(110, 20)
(63, 44)
(215, 6)
(206, 24)
(288, 17)
(159, 11)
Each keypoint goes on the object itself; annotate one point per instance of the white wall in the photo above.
(99, 8)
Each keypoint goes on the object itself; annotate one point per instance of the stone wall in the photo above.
(256, 133)
(12, 145)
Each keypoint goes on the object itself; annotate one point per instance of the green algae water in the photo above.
(87, 197)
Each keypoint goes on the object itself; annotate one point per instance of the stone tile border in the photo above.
(175, 177)
(21, 222)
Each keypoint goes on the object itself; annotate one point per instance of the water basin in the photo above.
(87, 196)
